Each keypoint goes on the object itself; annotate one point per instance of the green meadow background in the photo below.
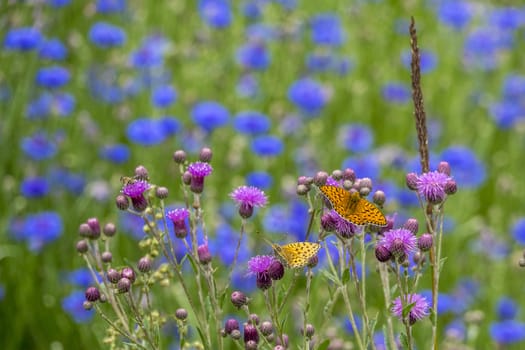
(203, 67)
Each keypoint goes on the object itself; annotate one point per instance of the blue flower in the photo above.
(169, 125)
(356, 138)
(34, 187)
(73, 304)
(507, 332)
(163, 96)
(116, 153)
(267, 145)
(209, 115)
(52, 77)
(260, 179)
(225, 233)
(396, 92)
(290, 218)
(428, 60)
(261, 32)
(456, 14)
(23, 39)
(467, 169)
(58, 3)
(80, 277)
(358, 323)
(38, 146)
(145, 132)
(507, 18)
(327, 30)
(483, 45)
(514, 86)
(41, 229)
(105, 35)
(215, 13)
(518, 230)
(252, 10)
(307, 95)
(146, 56)
(59, 103)
(320, 62)
(506, 113)
(364, 166)
(53, 49)
(456, 330)
(247, 86)
(253, 55)
(251, 123)
(111, 6)
(507, 308)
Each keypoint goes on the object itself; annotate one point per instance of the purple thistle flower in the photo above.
(418, 310)
(431, 186)
(135, 191)
(248, 197)
(178, 217)
(198, 171)
(400, 242)
(345, 228)
(259, 264)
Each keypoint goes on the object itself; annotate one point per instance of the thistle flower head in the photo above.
(259, 264)
(200, 169)
(431, 186)
(248, 197)
(399, 241)
(419, 307)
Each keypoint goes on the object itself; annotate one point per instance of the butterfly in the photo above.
(352, 207)
(297, 254)
(126, 180)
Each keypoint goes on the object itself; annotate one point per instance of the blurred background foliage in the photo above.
(332, 80)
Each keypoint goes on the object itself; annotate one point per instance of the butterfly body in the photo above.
(352, 207)
(297, 254)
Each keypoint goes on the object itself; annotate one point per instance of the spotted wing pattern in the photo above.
(297, 254)
(351, 207)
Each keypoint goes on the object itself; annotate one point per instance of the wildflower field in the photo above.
(262, 174)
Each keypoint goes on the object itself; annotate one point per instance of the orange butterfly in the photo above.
(351, 207)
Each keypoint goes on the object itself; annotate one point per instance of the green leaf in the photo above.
(407, 309)
(324, 345)
(346, 276)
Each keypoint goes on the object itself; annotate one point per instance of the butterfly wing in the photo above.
(298, 254)
(370, 214)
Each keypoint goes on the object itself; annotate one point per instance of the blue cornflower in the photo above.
(358, 323)
(163, 96)
(428, 60)
(53, 49)
(365, 166)
(111, 6)
(46, 104)
(38, 146)
(215, 13)
(252, 10)
(253, 55)
(267, 145)
(307, 95)
(251, 123)
(327, 29)
(483, 45)
(42, 228)
(396, 92)
(23, 39)
(518, 230)
(80, 277)
(52, 77)
(259, 179)
(507, 308)
(261, 32)
(456, 14)
(145, 131)
(116, 153)
(247, 86)
(74, 182)
(506, 113)
(514, 86)
(169, 125)
(146, 57)
(320, 62)
(356, 137)
(105, 35)
(73, 305)
(58, 3)
(34, 187)
(507, 18)
(209, 115)
(507, 332)
(468, 170)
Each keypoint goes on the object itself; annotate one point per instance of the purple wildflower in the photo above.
(198, 171)
(178, 217)
(204, 252)
(400, 242)
(431, 186)
(248, 197)
(344, 227)
(259, 265)
(418, 310)
(135, 191)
